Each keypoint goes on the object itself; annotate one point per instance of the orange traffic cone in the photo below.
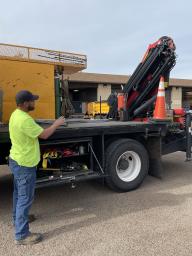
(160, 112)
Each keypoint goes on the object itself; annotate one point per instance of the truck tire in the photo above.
(126, 165)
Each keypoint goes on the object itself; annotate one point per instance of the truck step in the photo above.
(70, 177)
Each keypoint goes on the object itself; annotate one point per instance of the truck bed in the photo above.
(96, 138)
(80, 127)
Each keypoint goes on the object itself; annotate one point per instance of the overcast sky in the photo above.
(113, 34)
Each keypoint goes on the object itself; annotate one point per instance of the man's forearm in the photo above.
(48, 132)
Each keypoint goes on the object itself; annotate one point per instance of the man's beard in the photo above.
(30, 108)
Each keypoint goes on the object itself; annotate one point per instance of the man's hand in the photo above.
(59, 121)
(50, 130)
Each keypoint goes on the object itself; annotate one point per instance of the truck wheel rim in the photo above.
(128, 166)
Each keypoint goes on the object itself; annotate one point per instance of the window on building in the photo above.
(116, 88)
(168, 98)
(187, 97)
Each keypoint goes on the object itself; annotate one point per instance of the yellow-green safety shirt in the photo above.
(24, 132)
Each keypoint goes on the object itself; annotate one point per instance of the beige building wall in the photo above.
(175, 85)
(176, 97)
(104, 91)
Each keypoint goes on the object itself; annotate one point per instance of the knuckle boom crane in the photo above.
(140, 92)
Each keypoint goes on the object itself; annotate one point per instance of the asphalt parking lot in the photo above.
(155, 219)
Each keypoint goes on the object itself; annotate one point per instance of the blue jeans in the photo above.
(23, 194)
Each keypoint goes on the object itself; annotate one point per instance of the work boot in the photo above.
(32, 238)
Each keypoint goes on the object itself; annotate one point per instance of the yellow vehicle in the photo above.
(97, 108)
(40, 71)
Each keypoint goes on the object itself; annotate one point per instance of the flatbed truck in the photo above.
(120, 153)
(120, 150)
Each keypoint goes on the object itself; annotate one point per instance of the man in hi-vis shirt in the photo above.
(23, 159)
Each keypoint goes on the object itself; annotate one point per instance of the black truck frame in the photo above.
(121, 153)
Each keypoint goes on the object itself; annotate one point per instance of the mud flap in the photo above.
(155, 163)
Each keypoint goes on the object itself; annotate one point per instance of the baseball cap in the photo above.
(23, 96)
